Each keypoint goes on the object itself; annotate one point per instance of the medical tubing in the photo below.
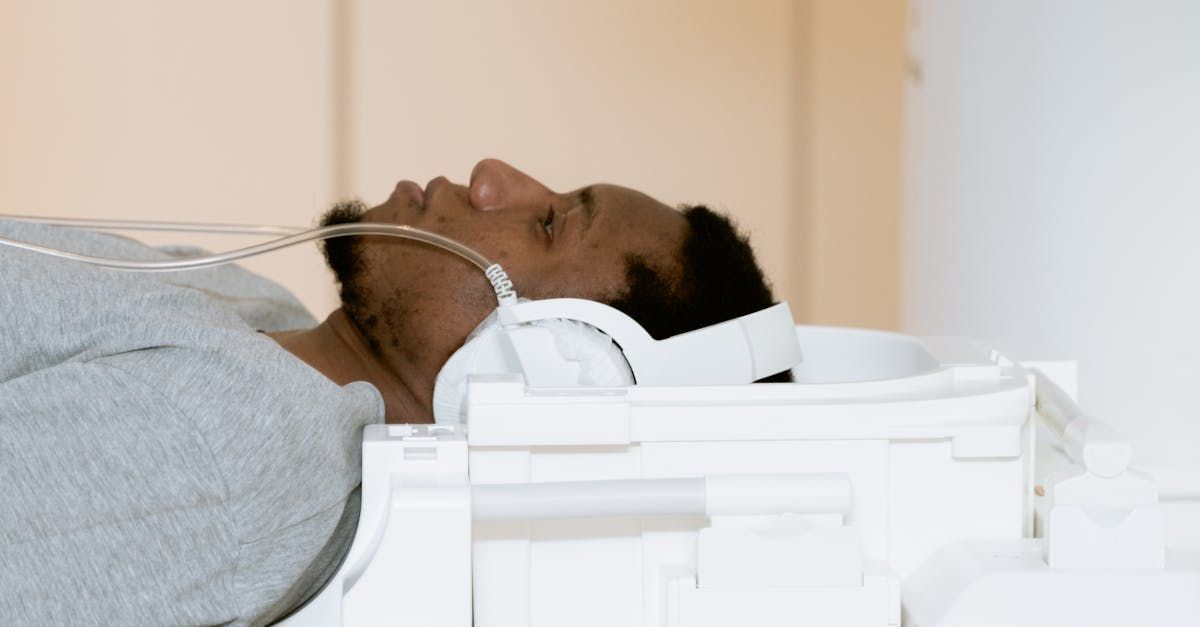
(155, 225)
(495, 274)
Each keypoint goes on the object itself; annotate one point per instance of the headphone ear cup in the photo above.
(486, 351)
(601, 362)
(549, 353)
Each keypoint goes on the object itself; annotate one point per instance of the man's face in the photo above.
(573, 244)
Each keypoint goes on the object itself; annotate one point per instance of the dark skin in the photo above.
(423, 302)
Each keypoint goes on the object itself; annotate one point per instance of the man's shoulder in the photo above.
(256, 300)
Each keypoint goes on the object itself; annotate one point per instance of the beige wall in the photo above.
(684, 100)
(850, 156)
(145, 109)
(782, 113)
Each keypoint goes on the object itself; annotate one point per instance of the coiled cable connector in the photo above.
(502, 284)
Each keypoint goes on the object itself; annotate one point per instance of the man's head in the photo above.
(672, 271)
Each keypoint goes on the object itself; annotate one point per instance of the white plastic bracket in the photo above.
(410, 561)
(1102, 514)
(422, 559)
(1097, 522)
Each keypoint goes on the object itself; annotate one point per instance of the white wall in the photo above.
(1053, 197)
(851, 184)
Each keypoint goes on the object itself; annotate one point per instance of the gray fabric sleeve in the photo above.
(84, 526)
(161, 462)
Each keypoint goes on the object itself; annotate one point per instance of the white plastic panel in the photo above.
(876, 603)
(936, 499)
(933, 455)
(995, 583)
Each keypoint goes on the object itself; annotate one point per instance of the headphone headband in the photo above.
(741, 350)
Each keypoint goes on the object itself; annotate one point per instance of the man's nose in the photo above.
(497, 185)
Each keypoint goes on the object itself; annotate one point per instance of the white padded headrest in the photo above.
(590, 358)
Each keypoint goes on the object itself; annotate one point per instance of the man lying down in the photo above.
(184, 448)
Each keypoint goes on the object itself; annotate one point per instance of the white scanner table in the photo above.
(895, 483)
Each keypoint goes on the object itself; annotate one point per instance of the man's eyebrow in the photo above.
(588, 200)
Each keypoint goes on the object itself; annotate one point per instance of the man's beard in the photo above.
(343, 254)
(346, 257)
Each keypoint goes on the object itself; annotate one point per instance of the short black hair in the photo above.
(717, 279)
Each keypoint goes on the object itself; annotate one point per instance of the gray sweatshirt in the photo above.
(162, 462)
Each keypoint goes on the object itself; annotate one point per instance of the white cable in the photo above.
(156, 225)
(499, 279)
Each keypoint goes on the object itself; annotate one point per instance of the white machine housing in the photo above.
(894, 483)
(932, 438)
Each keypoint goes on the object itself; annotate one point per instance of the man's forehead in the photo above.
(632, 205)
(637, 225)
(623, 195)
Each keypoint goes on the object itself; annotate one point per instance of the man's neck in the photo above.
(338, 350)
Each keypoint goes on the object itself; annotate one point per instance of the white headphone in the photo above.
(570, 342)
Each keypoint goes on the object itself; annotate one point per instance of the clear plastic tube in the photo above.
(155, 225)
(495, 274)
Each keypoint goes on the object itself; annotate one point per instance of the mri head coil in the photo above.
(587, 357)
(570, 342)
